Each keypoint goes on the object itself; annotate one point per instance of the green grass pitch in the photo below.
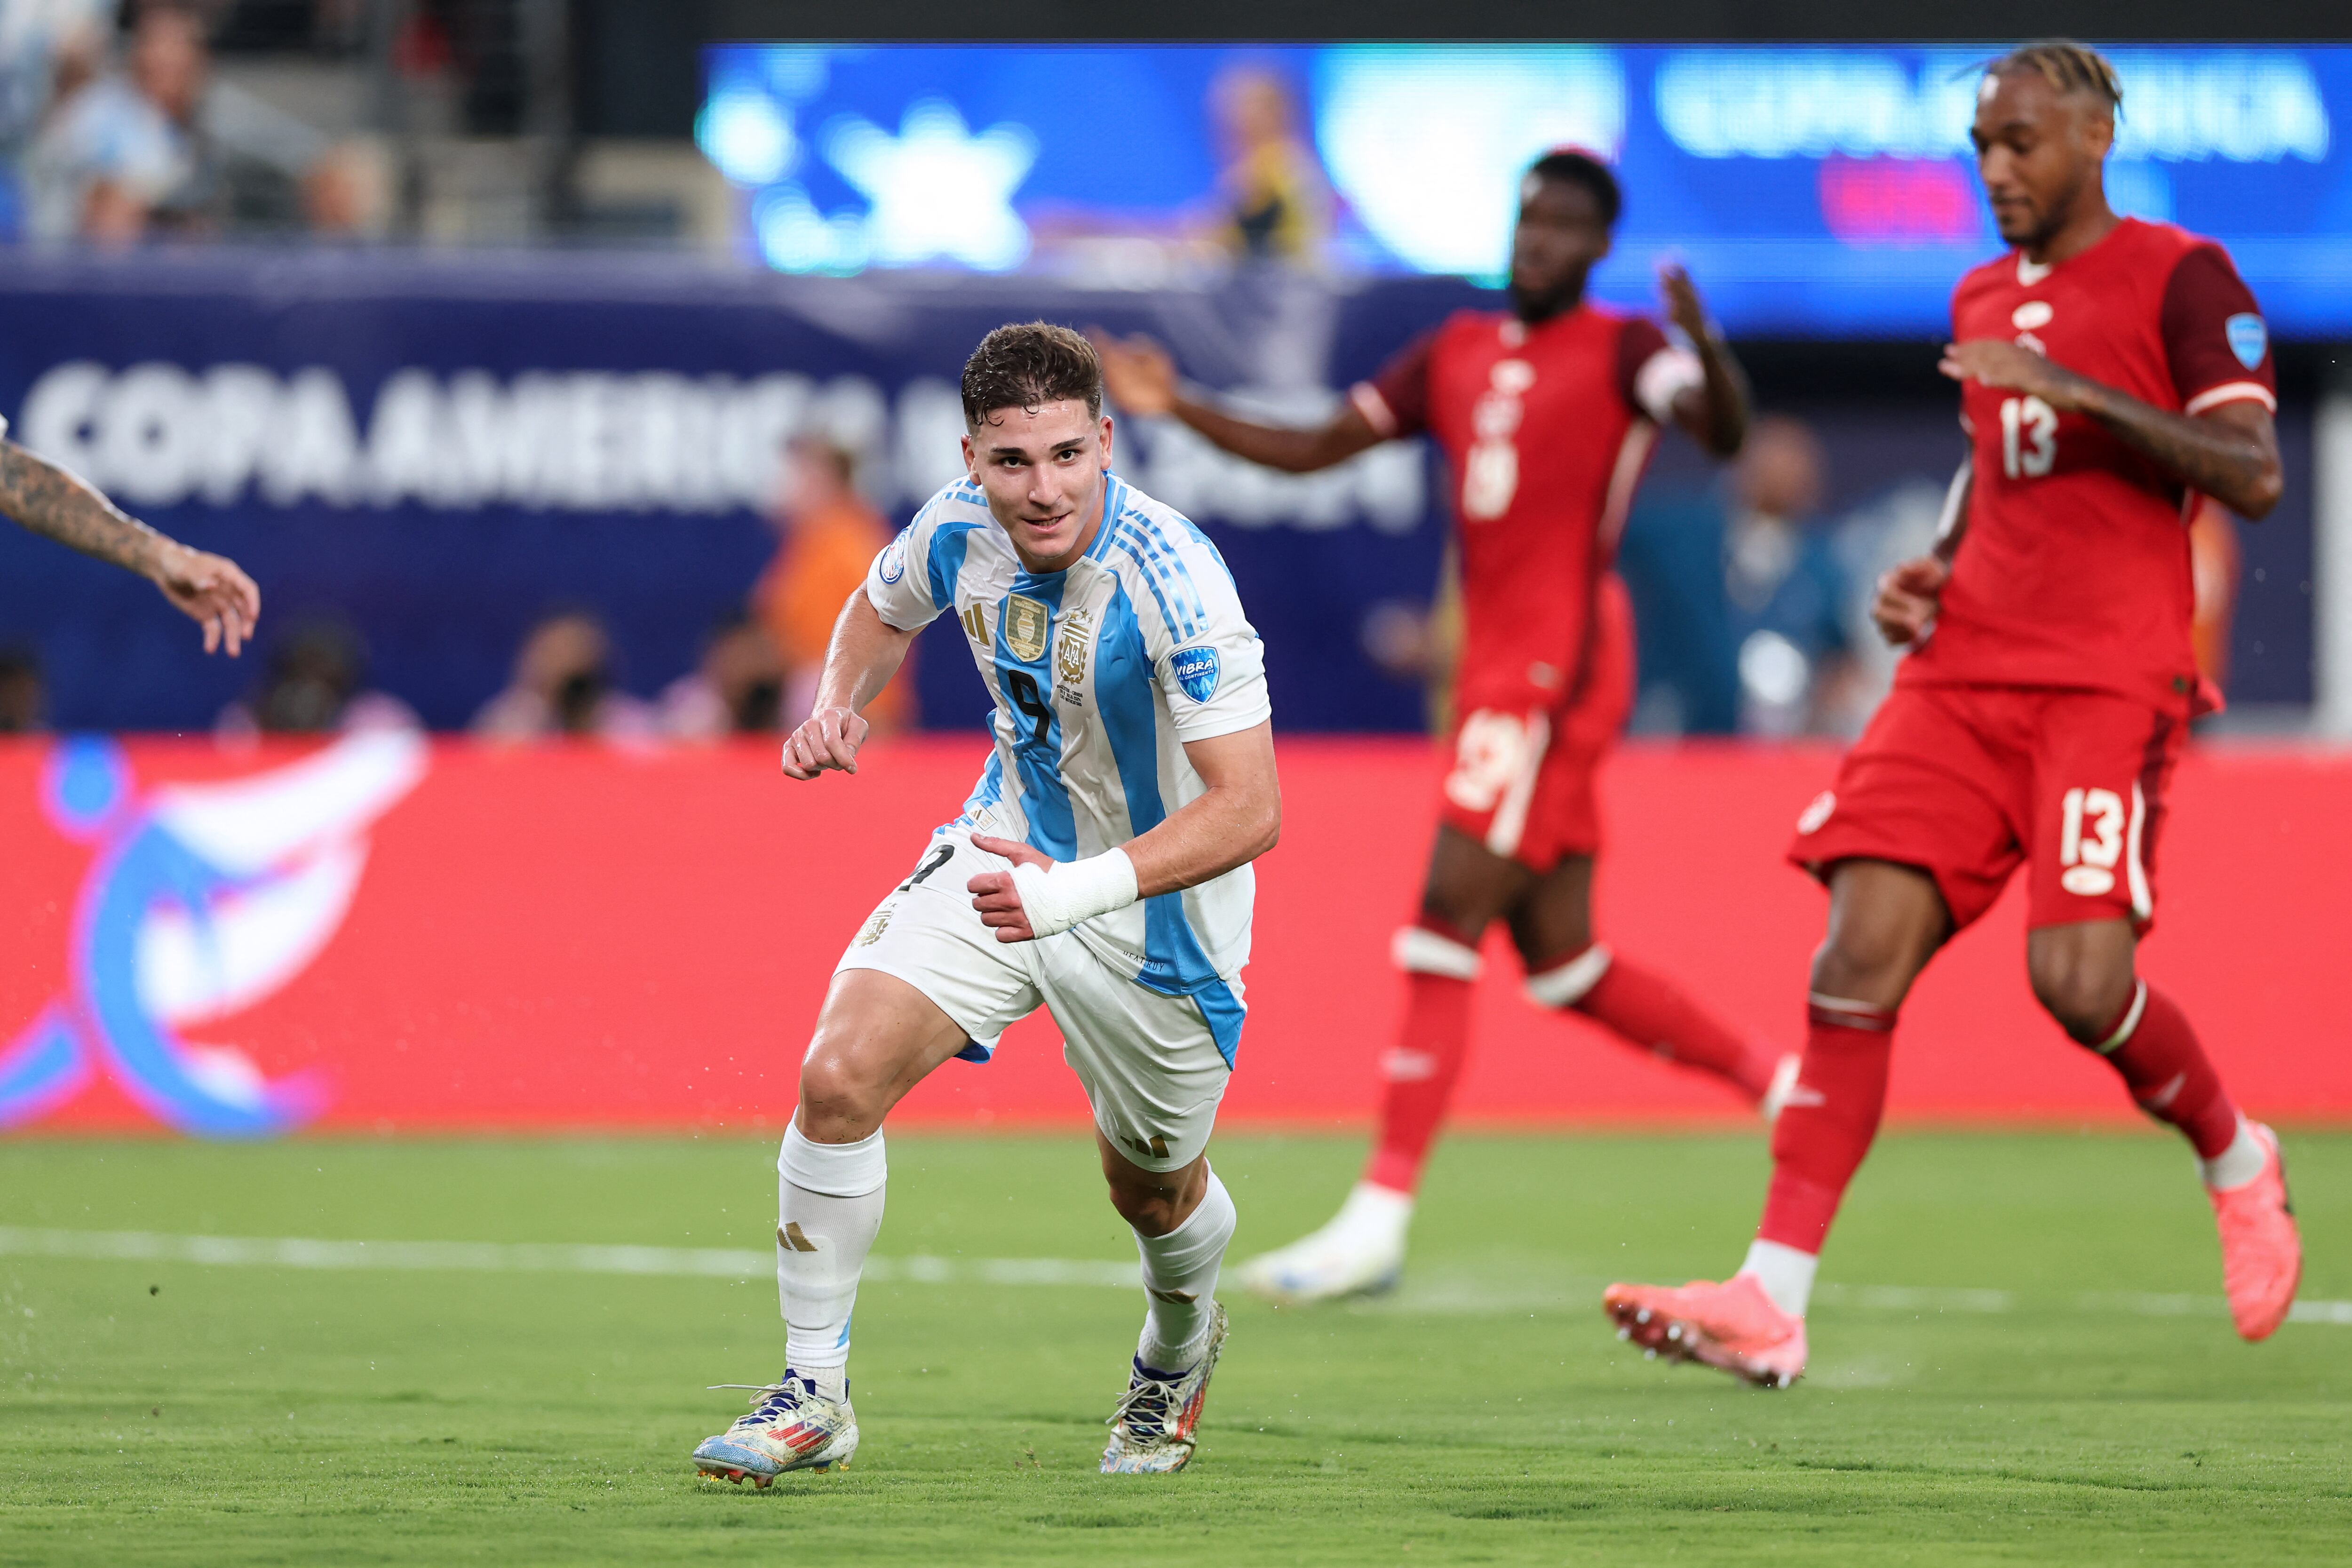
(2055, 1382)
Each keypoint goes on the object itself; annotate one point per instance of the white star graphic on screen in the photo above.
(937, 189)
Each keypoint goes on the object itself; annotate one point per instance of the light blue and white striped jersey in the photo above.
(1100, 673)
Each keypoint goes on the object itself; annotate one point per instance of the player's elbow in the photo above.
(1270, 829)
(1260, 828)
(2261, 493)
(1726, 434)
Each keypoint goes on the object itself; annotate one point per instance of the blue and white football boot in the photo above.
(792, 1428)
(1151, 1432)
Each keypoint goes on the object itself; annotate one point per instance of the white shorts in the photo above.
(1150, 1062)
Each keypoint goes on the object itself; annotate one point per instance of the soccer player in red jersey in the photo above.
(1546, 413)
(2111, 372)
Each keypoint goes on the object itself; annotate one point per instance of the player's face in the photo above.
(1043, 472)
(1559, 235)
(2039, 151)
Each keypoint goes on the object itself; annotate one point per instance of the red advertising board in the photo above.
(396, 935)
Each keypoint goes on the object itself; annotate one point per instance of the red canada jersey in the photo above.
(1546, 429)
(2074, 570)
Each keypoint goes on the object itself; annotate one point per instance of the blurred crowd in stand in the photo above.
(758, 666)
(760, 662)
(116, 127)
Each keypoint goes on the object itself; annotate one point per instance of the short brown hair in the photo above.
(1028, 366)
(2068, 67)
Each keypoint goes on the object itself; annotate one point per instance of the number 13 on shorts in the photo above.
(2099, 842)
(2090, 857)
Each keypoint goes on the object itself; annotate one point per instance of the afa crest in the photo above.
(1026, 621)
(1071, 645)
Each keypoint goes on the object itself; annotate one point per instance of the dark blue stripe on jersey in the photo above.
(1044, 798)
(1174, 963)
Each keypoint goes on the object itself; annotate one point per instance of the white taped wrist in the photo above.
(1072, 891)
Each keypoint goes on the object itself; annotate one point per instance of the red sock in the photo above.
(1430, 1050)
(2167, 1073)
(1654, 1012)
(1830, 1118)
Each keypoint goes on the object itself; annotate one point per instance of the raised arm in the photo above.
(1141, 380)
(865, 653)
(1715, 412)
(209, 589)
(2230, 453)
(1232, 822)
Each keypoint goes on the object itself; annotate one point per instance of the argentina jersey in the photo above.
(1099, 673)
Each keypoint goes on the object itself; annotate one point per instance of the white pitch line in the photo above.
(531, 1257)
(1456, 1292)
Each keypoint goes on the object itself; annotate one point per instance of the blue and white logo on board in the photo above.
(894, 558)
(2248, 338)
(1196, 671)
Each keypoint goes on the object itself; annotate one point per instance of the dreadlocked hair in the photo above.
(2067, 66)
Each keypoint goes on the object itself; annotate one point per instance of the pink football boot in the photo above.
(1733, 1326)
(2261, 1255)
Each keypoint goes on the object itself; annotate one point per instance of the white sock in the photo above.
(1786, 1274)
(1180, 1280)
(2241, 1162)
(1374, 1215)
(828, 1211)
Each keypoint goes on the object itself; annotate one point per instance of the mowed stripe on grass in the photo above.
(1451, 1293)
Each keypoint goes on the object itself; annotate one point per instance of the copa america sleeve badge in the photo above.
(893, 565)
(2249, 338)
(1196, 670)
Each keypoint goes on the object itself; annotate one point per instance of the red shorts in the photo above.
(1522, 780)
(1965, 781)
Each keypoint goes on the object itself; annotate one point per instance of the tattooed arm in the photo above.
(2230, 453)
(209, 589)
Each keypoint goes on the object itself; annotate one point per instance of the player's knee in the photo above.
(840, 1100)
(2084, 991)
(1864, 960)
(1151, 1208)
(1452, 910)
(1155, 1202)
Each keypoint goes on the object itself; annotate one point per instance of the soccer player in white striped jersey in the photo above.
(1101, 870)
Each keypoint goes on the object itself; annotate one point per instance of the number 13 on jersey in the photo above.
(2029, 437)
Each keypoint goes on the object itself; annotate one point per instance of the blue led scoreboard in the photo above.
(1816, 191)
